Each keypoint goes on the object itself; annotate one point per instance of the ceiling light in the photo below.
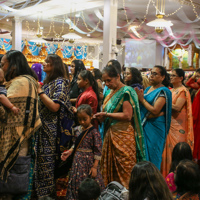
(160, 23)
(77, 15)
(71, 36)
(88, 35)
(38, 41)
(7, 20)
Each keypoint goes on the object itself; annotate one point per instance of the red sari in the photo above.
(196, 125)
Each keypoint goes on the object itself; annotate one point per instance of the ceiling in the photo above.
(52, 13)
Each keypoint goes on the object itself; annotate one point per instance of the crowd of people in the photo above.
(99, 127)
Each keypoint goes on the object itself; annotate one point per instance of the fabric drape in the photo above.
(53, 137)
(18, 128)
(156, 129)
(181, 129)
(123, 146)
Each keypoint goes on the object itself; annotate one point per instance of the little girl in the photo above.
(90, 94)
(86, 153)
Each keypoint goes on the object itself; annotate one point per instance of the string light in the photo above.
(194, 9)
(87, 26)
(157, 9)
(125, 12)
(145, 16)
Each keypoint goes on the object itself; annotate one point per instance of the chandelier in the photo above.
(160, 24)
(71, 36)
(38, 39)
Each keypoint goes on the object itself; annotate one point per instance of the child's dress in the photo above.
(170, 182)
(89, 150)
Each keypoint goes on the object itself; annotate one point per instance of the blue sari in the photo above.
(156, 129)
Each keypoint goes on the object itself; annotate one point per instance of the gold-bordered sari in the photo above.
(123, 145)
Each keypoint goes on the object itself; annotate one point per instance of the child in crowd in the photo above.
(89, 189)
(86, 152)
(180, 152)
(90, 94)
(3, 95)
(147, 183)
(187, 180)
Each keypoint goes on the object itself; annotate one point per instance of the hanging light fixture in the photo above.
(71, 36)
(38, 39)
(160, 24)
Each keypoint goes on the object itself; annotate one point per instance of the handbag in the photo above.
(18, 179)
(114, 191)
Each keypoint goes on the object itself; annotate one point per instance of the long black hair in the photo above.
(180, 152)
(79, 66)
(86, 74)
(18, 65)
(136, 76)
(97, 74)
(147, 182)
(187, 177)
(163, 72)
(58, 68)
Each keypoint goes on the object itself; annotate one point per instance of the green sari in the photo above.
(123, 145)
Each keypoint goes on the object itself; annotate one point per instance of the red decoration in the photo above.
(5, 41)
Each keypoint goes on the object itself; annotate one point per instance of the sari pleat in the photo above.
(181, 129)
(156, 129)
(123, 146)
(119, 153)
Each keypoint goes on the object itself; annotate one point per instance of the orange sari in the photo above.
(181, 129)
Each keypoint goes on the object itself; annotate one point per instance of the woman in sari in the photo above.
(181, 129)
(156, 105)
(123, 145)
(55, 134)
(18, 132)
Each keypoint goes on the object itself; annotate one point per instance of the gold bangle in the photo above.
(106, 113)
(143, 102)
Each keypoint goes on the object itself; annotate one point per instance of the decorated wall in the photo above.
(80, 52)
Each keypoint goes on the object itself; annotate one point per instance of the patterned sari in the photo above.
(156, 129)
(123, 146)
(53, 137)
(15, 131)
(181, 129)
